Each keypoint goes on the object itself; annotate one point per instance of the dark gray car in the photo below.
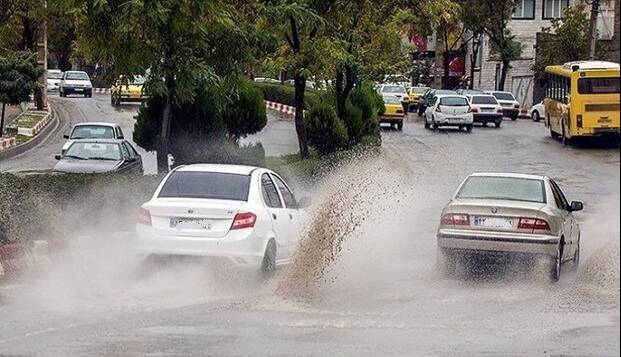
(98, 156)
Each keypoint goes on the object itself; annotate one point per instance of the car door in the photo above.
(134, 161)
(292, 215)
(275, 208)
(574, 227)
(429, 110)
(567, 220)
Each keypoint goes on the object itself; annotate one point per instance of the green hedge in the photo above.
(285, 94)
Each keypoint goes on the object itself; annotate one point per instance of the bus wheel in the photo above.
(566, 141)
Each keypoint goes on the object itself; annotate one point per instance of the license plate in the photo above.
(487, 110)
(77, 89)
(492, 222)
(191, 223)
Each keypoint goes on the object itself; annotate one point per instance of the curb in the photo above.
(101, 90)
(6, 143)
(282, 110)
(53, 122)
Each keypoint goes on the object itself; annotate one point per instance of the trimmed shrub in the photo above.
(285, 94)
(224, 152)
(354, 122)
(326, 132)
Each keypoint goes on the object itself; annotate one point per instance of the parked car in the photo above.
(449, 110)
(510, 106)
(53, 79)
(538, 111)
(468, 92)
(75, 82)
(93, 130)
(415, 94)
(394, 113)
(428, 96)
(485, 109)
(509, 214)
(396, 90)
(266, 80)
(246, 215)
(98, 156)
(128, 90)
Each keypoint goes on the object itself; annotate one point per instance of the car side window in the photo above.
(126, 151)
(269, 192)
(559, 197)
(119, 132)
(287, 195)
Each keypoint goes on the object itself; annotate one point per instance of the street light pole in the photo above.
(593, 28)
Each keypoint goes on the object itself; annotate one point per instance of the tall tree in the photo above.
(473, 17)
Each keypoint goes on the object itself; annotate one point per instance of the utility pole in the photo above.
(593, 28)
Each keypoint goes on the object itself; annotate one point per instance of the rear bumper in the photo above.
(497, 241)
(448, 121)
(239, 247)
(392, 119)
(132, 98)
(487, 118)
(510, 112)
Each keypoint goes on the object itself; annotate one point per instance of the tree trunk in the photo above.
(503, 75)
(473, 59)
(446, 61)
(344, 86)
(2, 121)
(163, 144)
(300, 129)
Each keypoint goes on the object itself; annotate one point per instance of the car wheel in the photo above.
(514, 118)
(400, 126)
(536, 116)
(498, 123)
(85, 95)
(555, 265)
(268, 265)
(426, 124)
(576, 260)
(434, 125)
(469, 128)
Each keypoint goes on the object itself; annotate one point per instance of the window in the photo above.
(208, 185)
(598, 85)
(558, 88)
(524, 9)
(484, 99)
(119, 133)
(287, 196)
(559, 197)
(554, 8)
(92, 132)
(130, 150)
(605, 23)
(269, 192)
(126, 153)
(454, 101)
(94, 151)
(503, 188)
(503, 96)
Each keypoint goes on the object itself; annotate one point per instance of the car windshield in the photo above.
(209, 185)
(92, 132)
(77, 76)
(503, 188)
(504, 96)
(389, 99)
(393, 89)
(418, 90)
(54, 75)
(484, 99)
(138, 81)
(454, 101)
(94, 151)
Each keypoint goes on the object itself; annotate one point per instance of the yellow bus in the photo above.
(582, 99)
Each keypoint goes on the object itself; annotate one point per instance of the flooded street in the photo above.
(380, 294)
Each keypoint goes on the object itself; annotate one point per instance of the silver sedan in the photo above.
(509, 213)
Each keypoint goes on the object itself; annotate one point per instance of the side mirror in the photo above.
(576, 206)
(304, 202)
(66, 136)
(121, 137)
(57, 156)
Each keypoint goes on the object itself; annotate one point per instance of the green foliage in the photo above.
(246, 112)
(18, 76)
(354, 121)
(364, 105)
(285, 94)
(326, 132)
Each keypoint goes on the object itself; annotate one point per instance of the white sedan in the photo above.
(246, 215)
(538, 111)
(449, 110)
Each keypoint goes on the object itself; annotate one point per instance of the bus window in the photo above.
(598, 85)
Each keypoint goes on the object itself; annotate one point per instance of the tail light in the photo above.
(144, 216)
(456, 219)
(536, 224)
(579, 120)
(399, 111)
(473, 110)
(244, 220)
(438, 109)
(499, 110)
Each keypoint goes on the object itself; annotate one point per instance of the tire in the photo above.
(564, 139)
(426, 124)
(536, 117)
(420, 111)
(556, 265)
(469, 128)
(514, 117)
(400, 126)
(576, 261)
(268, 265)
(85, 95)
(497, 124)
(434, 125)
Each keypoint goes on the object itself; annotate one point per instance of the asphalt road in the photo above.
(381, 297)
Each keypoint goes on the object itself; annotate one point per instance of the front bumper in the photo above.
(487, 118)
(490, 241)
(77, 90)
(240, 247)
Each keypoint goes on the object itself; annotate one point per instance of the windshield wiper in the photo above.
(102, 158)
(75, 157)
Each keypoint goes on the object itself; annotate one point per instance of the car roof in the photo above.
(75, 72)
(219, 168)
(99, 141)
(508, 174)
(54, 70)
(452, 95)
(97, 123)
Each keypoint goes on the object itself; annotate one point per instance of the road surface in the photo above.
(382, 297)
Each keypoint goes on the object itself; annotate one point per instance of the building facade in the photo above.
(529, 18)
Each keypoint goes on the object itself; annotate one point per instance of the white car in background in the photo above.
(53, 79)
(246, 215)
(396, 90)
(510, 105)
(449, 110)
(92, 130)
(485, 109)
(76, 82)
(538, 111)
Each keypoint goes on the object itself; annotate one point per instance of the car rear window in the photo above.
(454, 101)
(77, 75)
(209, 185)
(504, 96)
(391, 99)
(503, 188)
(92, 132)
(598, 85)
(484, 99)
(393, 89)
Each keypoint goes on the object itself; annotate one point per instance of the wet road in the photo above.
(382, 296)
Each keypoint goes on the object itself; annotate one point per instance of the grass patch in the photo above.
(20, 139)
(28, 119)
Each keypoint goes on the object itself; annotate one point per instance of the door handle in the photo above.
(274, 216)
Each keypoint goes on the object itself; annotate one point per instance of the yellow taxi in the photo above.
(128, 90)
(393, 111)
(415, 94)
